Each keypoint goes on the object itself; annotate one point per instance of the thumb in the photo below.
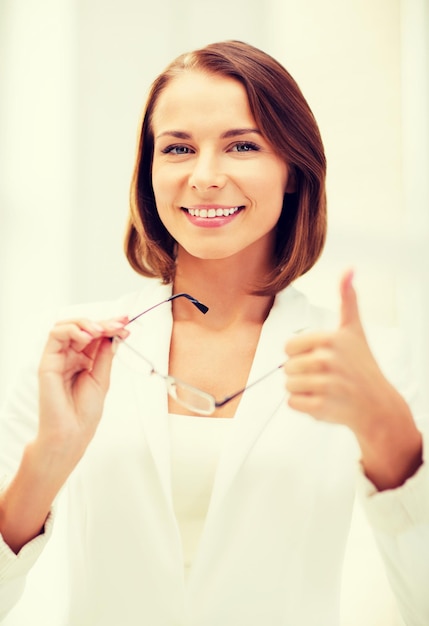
(103, 363)
(349, 313)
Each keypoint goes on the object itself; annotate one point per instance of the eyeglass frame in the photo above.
(172, 380)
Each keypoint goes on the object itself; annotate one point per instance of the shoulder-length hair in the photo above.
(286, 122)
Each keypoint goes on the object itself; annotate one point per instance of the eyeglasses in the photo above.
(186, 395)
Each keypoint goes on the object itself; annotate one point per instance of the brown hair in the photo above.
(285, 120)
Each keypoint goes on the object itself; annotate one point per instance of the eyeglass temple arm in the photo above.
(199, 305)
(238, 393)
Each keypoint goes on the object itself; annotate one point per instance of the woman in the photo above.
(187, 510)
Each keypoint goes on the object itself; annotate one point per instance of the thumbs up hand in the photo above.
(334, 377)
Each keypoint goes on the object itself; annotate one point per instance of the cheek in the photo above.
(164, 183)
(269, 191)
(270, 181)
(159, 187)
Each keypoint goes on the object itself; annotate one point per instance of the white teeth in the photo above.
(208, 213)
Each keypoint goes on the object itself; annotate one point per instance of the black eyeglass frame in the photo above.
(172, 380)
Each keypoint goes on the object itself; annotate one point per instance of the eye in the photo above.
(176, 149)
(245, 146)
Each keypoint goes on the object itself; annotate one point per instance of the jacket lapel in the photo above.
(150, 335)
(288, 315)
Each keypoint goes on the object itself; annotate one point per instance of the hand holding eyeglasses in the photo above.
(74, 377)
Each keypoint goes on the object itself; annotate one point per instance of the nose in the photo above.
(206, 174)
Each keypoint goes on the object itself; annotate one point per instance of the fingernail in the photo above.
(122, 318)
(115, 325)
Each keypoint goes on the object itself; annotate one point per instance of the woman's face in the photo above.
(218, 183)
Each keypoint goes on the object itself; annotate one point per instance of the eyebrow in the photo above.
(233, 132)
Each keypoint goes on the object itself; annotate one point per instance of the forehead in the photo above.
(195, 97)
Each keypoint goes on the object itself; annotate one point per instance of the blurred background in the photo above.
(74, 76)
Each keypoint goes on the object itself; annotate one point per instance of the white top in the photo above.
(277, 527)
(196, 445)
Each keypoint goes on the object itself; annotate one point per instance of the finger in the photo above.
(83, 321)
(307, 342)
(306, 403)
(69, 335)
(102, 363)
(307, 384)
(315, 361)
(111, 327)
(91, 350)
(77, 334)
(349, 312)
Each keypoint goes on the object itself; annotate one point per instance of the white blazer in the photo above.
(272, 547)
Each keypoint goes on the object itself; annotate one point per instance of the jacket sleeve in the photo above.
(399, 517)
(18, 426)
(15, 567)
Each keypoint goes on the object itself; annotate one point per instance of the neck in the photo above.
(225, 286)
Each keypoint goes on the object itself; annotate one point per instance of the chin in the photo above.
(209, 253)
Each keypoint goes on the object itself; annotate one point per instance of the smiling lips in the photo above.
(211, 216)
(210, 213)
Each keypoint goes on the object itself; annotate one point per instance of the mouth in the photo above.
(213, 212)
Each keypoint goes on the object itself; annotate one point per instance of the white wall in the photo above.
(74, 78)
(36, 169)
